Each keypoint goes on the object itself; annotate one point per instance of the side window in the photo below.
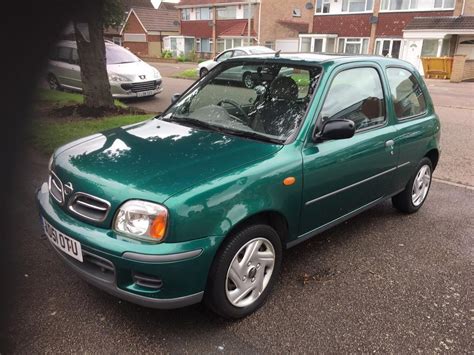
(75, 57)
(64, 54)
(357, 95)
(407, 95)
(239, 53)
(224, 56)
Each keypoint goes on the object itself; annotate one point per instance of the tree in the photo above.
(89, 33)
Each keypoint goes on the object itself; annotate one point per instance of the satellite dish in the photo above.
(309, 5)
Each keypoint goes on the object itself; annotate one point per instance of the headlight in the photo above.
(142, 220)
(50, 163)
(156, 74)
(117, 77)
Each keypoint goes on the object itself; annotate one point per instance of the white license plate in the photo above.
(64, 242)
(145, 93)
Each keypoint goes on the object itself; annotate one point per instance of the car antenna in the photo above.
(277, 53)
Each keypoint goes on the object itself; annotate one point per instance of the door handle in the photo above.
(389, 143)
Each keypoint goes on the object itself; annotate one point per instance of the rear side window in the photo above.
(64, 54)
(407, 95)
(357, 95)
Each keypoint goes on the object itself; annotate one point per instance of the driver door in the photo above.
(343, 176)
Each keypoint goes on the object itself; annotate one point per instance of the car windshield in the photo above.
(259, 100)
(118, 55)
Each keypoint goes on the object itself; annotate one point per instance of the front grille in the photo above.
(89, 207)
(147, 281)
(56, 188)
(145, 86)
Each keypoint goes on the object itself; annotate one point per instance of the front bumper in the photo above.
(177, 271)
(135, 89)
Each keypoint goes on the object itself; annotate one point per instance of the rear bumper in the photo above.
(165, 275)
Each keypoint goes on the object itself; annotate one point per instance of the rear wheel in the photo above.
(203, 72)
(244, 272)
(53, 82)
(248, 80)
(412, 198)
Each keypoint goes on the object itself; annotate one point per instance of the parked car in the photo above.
(198, 203)
(245, 77)
(129, 76)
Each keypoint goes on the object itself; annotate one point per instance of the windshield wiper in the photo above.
(187, 121)
(253, 135)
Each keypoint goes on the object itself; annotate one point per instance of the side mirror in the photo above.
(175, 98)
(336, 129)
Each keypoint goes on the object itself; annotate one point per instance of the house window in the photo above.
(397, 5)
(326, 6)
(203, 13)
(206, 45)
(353, 45)
(185, 14)
(117, 40)
(270, 44)
(198, 45)
(356, 5)
(305, 44)
(227, 12)
(220, 45)
(246, 12)
(388, 47)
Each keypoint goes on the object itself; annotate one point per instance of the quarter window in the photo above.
(357, 95)
(407, 95)
(64, 54)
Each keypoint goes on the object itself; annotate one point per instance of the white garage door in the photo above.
(286, 45)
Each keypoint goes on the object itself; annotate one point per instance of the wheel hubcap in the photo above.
(421, 185)
(248, 81)
(52, 83)
(249, 272)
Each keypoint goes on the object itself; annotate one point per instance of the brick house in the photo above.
(212, 26)
(145, 27)
(384, 27)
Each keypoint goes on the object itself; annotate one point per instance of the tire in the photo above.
(414, 196)
(53, 82)
(203, 72)
(248, 80)
(256, 277)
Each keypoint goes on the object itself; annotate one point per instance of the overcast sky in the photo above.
(156, 3)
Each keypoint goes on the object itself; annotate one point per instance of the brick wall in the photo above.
(139, 48)
(273, 11)
(391, 24)
(342, 25)
(133, 25)
(468, 70)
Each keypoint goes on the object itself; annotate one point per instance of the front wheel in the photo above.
(244, 272)
(53, 82)
(203, 72)
(412, 198)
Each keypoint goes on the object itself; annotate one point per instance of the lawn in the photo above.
(188, 74)
(48, 132)
(63, 98)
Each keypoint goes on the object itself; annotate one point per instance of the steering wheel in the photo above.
(245, 118)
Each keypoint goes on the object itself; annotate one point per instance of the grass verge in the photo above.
(47, 135)
(63, 98)
(49, 130)
(191, 74)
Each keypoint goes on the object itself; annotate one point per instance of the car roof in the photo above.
(319, 58)
(73, 44)
(247, 48)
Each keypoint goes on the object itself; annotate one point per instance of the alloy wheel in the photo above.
(421, 185)
(250, 272)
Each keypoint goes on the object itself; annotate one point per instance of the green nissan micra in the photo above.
(199, 202)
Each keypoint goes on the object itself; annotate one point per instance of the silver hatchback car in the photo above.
(129, 76)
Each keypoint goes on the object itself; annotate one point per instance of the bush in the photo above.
(166, 54)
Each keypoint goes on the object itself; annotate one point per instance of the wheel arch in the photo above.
(274, 219)
(433, 155)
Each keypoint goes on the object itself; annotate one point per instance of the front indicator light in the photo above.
(141, 220)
